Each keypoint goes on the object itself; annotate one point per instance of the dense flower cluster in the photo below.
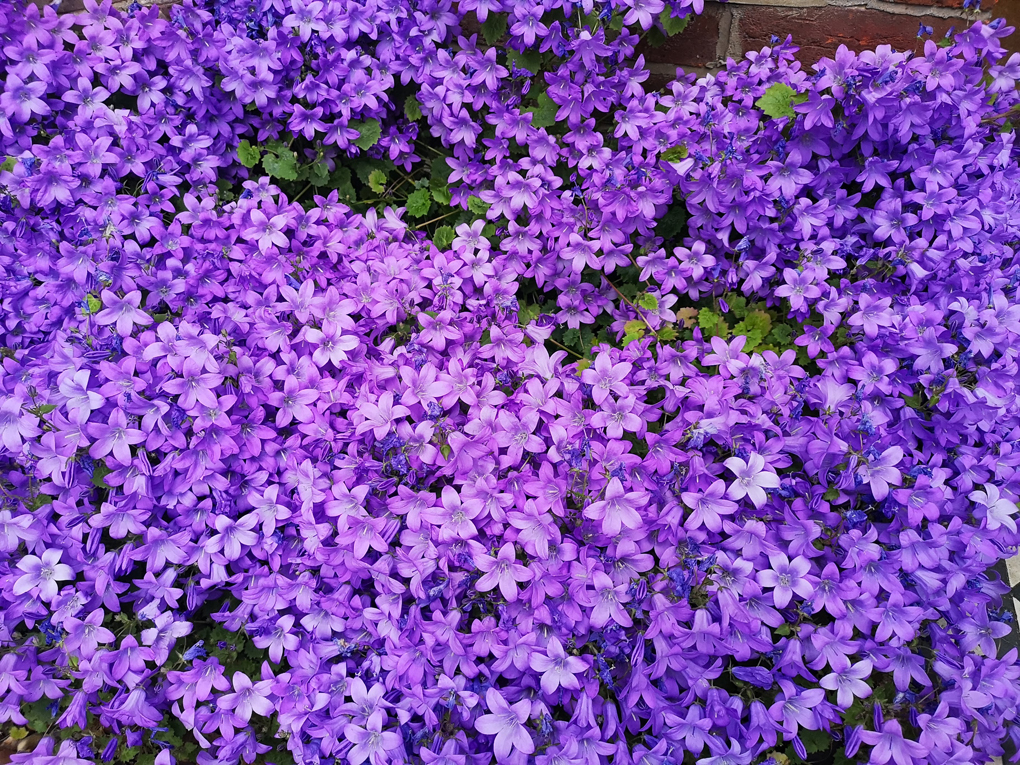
(691, 440)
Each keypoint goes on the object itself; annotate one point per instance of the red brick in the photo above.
(695, 46)
(938, 3)
(820, 31)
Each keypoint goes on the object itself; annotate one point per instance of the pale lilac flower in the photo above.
(43, 574)
(506, 723)
(998, 510)
(752, 479)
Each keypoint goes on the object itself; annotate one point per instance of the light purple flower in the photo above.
(506, 723)
(43, 574)
(752, 479)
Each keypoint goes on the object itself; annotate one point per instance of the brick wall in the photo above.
(819, 27)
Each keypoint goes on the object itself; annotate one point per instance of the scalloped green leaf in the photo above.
(369, 132)
(419, 203)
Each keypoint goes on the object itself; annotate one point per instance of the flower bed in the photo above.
(409, 381)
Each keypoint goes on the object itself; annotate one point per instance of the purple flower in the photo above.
(605, 377)
(880, 472)
(998, 510)
(787, 578)
(503, 571)
(115, 438)
(506, 723)
(122, 311)
(752, 479)
(890, 744)
(708, 507)
(618, 510)
(371, 743)
(247, 698)
(848, 682)
(42, 574)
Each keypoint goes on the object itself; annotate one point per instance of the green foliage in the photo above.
(675, 153)
(667, 334)
(8, 164)
(443, 237)
(648, 301)
(99, 475)
(477, 206)
(419, 203)
(544, 114)
(440, 191)
(781, 335)
(633, 330)
(340, 179)
(712, 324)
(95, 305)
(672, 223)
(494, 27)
(247, 154)
(369, 132)
(280, 162)
(530, 59)
(377, 181)
(315, 173)
(755, 327)
(670, 25)
(778, 101)
(527, 313)
(412, 109)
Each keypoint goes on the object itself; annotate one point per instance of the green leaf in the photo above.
(667, 333)
(816, 741)
(494, 27)
(440, 191)
(675, 153)
(672, 223)
(477, 206)
(530, 59)
(95, 304)
(582, 364)
(445, 450)
(317, 173)
(738, 305)
(712, 324)
(777, 101)
(247, 154)
(418, 203)
(572, 337)
(655, 38)
(100, 472)
(340, 179)
(648, 301)
(275, 146)
(283, 166)
(412, 109)
(527, 313)
(781, 335)
(671, 25)
(634, 328)
(377, 181)
(8, 164)
(754, 327)
(831, 494)
(544, 114)
(443, 237)
(18, 733)
(369, 132)
(42, 409)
